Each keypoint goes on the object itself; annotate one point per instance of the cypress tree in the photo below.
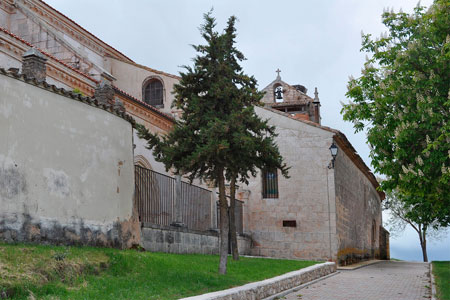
(218, 136)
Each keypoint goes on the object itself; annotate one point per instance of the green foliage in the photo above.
(77, 91)
(127, 274)
(219, 134)
(403, 99)
(218, 128)
(441, 271)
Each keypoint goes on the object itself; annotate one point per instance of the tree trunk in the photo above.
(234, 244)
(223, 226)
(422, 231)
(423, 244)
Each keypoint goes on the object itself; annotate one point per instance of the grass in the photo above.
(54, 272)
(441, 271)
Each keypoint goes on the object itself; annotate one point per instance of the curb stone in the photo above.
(298, 288)
(358, 266)
(272, 286)
(432, 283)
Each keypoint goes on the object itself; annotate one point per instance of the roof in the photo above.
(69, 94)
(33, 50)
(149, 69)
(345, 144)
(289, 103)
(48, 55)
(89, 33)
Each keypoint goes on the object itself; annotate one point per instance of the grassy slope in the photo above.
(50, 272)
(441, 271)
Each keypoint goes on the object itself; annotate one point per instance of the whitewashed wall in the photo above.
(66, 169)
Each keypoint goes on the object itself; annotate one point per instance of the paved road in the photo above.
(380, 281)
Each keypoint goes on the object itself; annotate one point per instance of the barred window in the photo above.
(270, 183)
(153, 93)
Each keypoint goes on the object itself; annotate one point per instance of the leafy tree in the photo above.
(219, 134)
(418, 216)
(402, 98)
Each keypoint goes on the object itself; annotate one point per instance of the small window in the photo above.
(270, 184)
(153, 93)
(289, 223)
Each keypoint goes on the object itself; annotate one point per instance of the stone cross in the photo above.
(278, 72)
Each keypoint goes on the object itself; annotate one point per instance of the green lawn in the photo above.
(441, 271)
(50, 272)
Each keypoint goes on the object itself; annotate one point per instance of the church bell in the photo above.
(278, 93)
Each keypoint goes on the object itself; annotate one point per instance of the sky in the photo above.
(313, 43)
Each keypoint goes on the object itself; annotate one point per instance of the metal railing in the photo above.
(163, 200)
(238, 215)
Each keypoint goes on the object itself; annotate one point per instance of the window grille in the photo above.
(153, 93)
(270, 184)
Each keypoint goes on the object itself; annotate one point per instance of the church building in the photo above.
(329, 208)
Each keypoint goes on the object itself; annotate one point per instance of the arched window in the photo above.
(154, 93)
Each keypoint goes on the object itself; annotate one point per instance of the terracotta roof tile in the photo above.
(48, 55)
(148, 106)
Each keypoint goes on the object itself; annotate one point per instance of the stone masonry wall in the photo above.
(180, 240)
(307, 197)
(131, 78)
(52, 39)
(358, 208)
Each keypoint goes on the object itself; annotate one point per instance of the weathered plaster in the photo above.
(66, 170)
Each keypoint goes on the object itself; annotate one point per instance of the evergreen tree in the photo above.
(219, 134)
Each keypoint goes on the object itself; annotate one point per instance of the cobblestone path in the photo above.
(381, 281)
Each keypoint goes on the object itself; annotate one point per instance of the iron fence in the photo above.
(238, 215)
(158, 201)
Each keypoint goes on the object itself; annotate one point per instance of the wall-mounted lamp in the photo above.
(334, 150)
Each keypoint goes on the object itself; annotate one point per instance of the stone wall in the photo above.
(358, 207)
(66, 169)
(37, 29)
(131, 77)
(181, 240)
(307, 197)
(384, 244)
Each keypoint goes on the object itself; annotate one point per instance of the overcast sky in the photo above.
(314, 43)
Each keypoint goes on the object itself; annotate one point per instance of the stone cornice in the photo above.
(71, 28)
(55, 70)
(7, 6)
(145, 114)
